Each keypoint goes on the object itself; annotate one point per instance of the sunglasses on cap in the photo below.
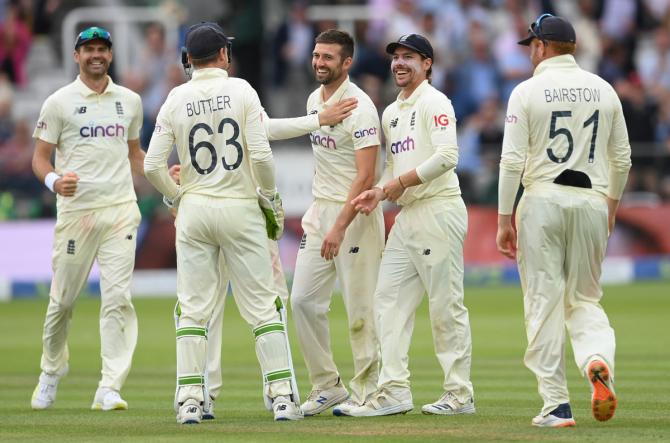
(93, 33)
(536, 27)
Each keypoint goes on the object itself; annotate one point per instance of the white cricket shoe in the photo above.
(561, 417)
(107, 399)
(449, 404)
(383, 402)
(284, 409)
(190, 413)
(321, 399)
(44, 394)
(344, 408)
(208, 410)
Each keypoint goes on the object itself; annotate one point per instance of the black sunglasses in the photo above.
(536, 27)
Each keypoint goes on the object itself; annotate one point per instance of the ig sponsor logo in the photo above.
(441, 120)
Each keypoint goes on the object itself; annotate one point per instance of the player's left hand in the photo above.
(393, 190)
(331, 243)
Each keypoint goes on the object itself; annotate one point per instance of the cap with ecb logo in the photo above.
(548, 27)
(415, 42)
(205, 39)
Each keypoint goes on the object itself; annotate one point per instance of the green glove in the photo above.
(273, 213)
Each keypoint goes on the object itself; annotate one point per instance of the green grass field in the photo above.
(506, 396)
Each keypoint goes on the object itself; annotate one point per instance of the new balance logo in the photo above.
(129, 237)
(80, 110)
(192, 410)
(119, 108)
(321, 400)
(426, 252)
(394, 122)
(303, 241)
(353, 250)
(313, 111)
(281, 407)
(70, 247)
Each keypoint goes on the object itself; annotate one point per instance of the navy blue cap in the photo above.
(415, 42)
(550, 28)
(205, 39)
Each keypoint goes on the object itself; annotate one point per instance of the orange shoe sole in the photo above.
(603, 400)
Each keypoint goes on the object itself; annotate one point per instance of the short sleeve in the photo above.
(365, 128)
(49, 124)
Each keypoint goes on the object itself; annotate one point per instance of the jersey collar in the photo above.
(415, 95)
(87, 92)
(337, 96)
(557, 62)
(207, 73)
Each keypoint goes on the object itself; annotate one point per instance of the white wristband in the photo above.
(50, 179)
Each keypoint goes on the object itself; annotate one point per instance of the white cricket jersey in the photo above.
(564, 118)
(91, 133)
(216, 123)
(334, 147)
(420, 130)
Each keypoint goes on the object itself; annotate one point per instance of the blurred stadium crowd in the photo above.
(477, 64)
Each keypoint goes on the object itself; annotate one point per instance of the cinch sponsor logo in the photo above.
(116, 130)
(510, 118)
(324, 141)
(41, 124)
(402, 146)
(365, 132)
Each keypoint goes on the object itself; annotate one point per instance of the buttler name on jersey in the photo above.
(208, 105)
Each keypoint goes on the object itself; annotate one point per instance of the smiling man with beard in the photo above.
(94, 127)
(424, 252)
(336, 243)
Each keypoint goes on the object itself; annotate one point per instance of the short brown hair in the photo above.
(562, 48)
(337, 37)
(200, 62)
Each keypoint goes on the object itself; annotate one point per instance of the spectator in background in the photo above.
(589, 49)
(477, 79)
(292, 48)
(15, 41)
(479, 151)
(6, 102)
(371, 65)
(653, 63)
(148, 78)
(511, 58)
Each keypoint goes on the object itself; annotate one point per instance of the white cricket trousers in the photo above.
(356, 267)
(214, 329)
(107, 235)
(234, 228)
(424, 254)
(562, 237)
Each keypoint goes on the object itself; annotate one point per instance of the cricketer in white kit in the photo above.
(566, 141)
(424, 251)
(276, 129)
(215, 122)
(336, 243)
(93, 126)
